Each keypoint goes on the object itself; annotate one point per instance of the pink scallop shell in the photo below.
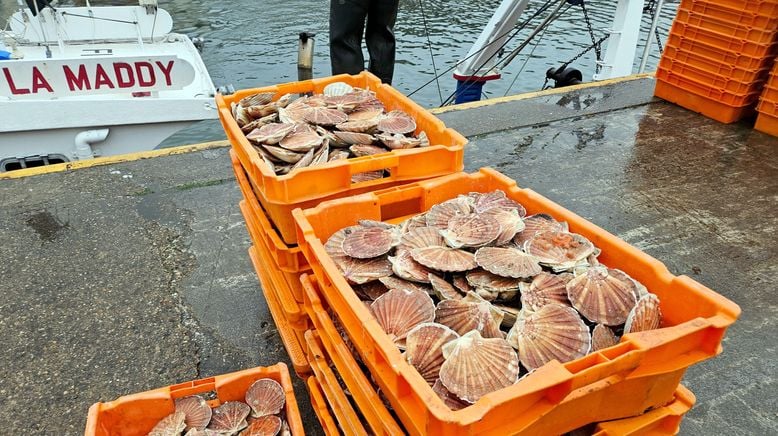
(197, 411)
(405, 267)
(370, 242)
(351, 138)
(271, 133)
(301, 139)
(268, 425)
(324, 116)
(538, 223)
(392, 282)
(470, 313)
(448, 398)
(545, 288)
(397, 122)
(443, 289)
(646, 315)
(602, 295)
(360, 150)
(230, 417)
(603, 337)
(444, 258)
(170, 425)
(559, 250)
(497, 199)
(358, 126)
(507, 262)
(367, 176)
(424, 348)
(421, 237)
(398, 311)
(265, 397)
(510, 224)
(439, 214)
(471, 230)
(257, 99)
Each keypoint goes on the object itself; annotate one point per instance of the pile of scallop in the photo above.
(477, 294)
(341, 123)
(261, 415)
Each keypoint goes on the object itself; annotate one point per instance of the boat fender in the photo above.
(85, 139)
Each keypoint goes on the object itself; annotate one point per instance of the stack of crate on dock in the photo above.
(718, 56)
(359, 382)
(767, 120)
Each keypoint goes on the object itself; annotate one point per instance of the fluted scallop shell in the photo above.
(360, 271)
(304, 161)
(510, 223)
(358, 126)
(301, 139)
(470, 313)
(424, 348)
(498, 199)
(351, 138)
(365, 114)
(367, 176)
(443, 289)
(196, 410)
(477, 366)
(559, 250)
(416, 222)
(439, 215)
(460, 282)
(646, 315)
(338, 155)
(509, 315)
(265, 397)
(370, 242)
(507, 262)
(171, 425)
(552, 332)
(545, 288)
(422, 237)
(370, 290)
(640, 289)
(262, 110)
(230, 417)
(492, 282)
(268, 425)
(321, 155)
(283, 154)
(257, 99)
(271, 133)
(360, 150)
(344, 103)
(405, 267)
(397, 122)
(448, 398)
(603, 337)
(337, 88)
(444, 258)
(334, 245)
(293, 115)
(396, 141)
(392, 282)
(602, 295)
(324, 116)
(398, 311)
(471, 230)
(538, 223)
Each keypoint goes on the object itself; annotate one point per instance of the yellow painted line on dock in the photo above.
(109, 160)
(527, 95)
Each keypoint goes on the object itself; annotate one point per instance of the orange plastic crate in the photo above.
(711, 14)
(288, 258)
(722, 106)
(137, 414)
(716, 75)
(378, 417)
(700, 49)
(291, 310)
(292, 340)
(683, 31)
(444, 156)
(320, 407)
(767, 123)
(640, 372)
(768, 8)
(662, 421)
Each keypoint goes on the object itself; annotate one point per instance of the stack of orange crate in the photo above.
(767, 120)
(718, 56)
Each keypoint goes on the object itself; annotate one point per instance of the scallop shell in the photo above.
(553, 332)
(230, 417)
(370, 103)
(321, 155)
(559, 250)
(360, 150)
(471, 230)
(370, 290)
(361, 271)
(338, 155)
(365, 114)
(262, 110)
(507, 262)
(422, 237)
(171, 425)
(424, 140)
(370, 242)
(397, 122)
(416, 222)
(398, 311)
(492, 282)
(337, 88)
(510, 223)
(197, 411)
(602, 295)
(397, 141)
(603, 337)
(367, 176)
(509, 315)
(498, 200)
(358, 126)
(545, 288)
(323, 116)
(405, 267)
(301, 139)
(304, 161)
(271, 133)
(470, 313)
(265, 397)
(352, 138)
(443, 289)
(448, 398)
(283, 154)
(334, 245)
(444, 258)
(269, 425)
(439, 214)
(538, 223)
(477, 366)
(424, 348)
(392, 282)
(257, 99)
(646, 315)
(344, 103)
(460, 282)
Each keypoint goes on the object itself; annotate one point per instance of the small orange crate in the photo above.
(137, 414)
(767, 120)
(320, 407)
(700, 49)
(290, 308)
(640, 372)
(292, 339)
(378, 417)
(681, 31)
(767, 123)
(288, 258)
(711, 15)
(662, 421)
(716, 74)
(717, 104)
(768, 8)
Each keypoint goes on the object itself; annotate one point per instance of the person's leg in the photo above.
(379, 37)
(347, 22)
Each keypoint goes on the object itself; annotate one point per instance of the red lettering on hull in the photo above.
(12, 85)
(81, 81)
(102, 79)
(150, 79)
(39, 82)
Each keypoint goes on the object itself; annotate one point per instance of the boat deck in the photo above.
(133, 275)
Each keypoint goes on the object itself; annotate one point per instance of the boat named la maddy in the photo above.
(82, 82)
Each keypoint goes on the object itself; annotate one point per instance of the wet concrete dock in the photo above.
(130, 276)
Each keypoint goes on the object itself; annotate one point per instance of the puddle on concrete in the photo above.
(46, 225)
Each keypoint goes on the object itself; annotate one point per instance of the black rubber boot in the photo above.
(379, 37)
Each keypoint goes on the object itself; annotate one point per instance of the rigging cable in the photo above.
(429, 44)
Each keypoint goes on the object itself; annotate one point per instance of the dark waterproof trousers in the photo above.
(347, 24)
